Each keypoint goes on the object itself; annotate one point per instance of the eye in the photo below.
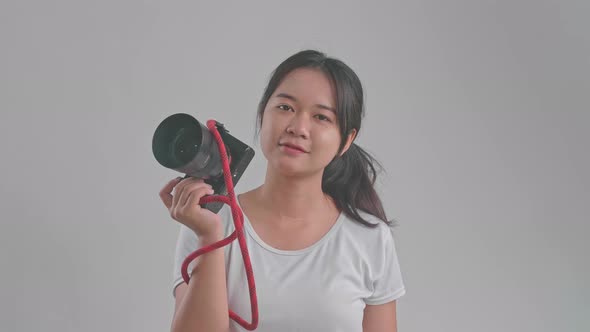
(322, 117)
(285, 107)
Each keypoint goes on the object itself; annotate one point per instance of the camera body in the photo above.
(183, 144)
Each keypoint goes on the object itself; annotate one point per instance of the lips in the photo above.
(294, 146)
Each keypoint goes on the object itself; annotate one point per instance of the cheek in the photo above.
(330, 141)
(267, 136)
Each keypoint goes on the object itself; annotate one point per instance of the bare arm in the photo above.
(202, 304)
(380, 318)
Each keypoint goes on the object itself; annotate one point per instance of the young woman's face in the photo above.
(299, 133)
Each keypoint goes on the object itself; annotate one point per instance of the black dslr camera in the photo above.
(183, 144)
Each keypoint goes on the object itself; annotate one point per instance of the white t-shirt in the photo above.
(323, 287)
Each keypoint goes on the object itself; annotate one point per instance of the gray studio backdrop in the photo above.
(478, 111)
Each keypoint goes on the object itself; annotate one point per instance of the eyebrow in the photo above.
(288, 96)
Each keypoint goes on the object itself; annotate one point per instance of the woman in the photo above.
(322, 250)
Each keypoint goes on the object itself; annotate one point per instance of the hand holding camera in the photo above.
(183, 144)
(184, 206)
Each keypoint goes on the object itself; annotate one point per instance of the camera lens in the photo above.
(185, 146)
(177, 140)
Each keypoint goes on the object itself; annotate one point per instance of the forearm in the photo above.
(204, 306)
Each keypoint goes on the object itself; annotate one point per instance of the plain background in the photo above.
(478, 111)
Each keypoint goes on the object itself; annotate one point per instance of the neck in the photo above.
(293, 199)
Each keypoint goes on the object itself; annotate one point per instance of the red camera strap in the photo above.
(238, 233)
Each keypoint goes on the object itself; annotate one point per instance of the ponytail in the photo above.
(349, 180)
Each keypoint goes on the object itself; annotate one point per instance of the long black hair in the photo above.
(349, 179)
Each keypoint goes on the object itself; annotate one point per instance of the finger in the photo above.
(165, 193)
(195, 196)
(195, 200)
(179, 189)
(191, 188)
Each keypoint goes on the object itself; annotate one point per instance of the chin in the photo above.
(288, 168)
(285, 167)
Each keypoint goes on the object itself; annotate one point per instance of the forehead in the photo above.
(309, 86)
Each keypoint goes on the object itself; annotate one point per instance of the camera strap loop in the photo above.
(238, 233)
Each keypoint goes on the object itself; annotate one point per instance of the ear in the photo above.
(349, 139)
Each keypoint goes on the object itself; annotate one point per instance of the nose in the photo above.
(299, 125)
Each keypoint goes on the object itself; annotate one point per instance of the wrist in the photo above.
(210, 238)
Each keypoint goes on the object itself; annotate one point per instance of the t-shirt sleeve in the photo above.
(387, 284)
(185, 244)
